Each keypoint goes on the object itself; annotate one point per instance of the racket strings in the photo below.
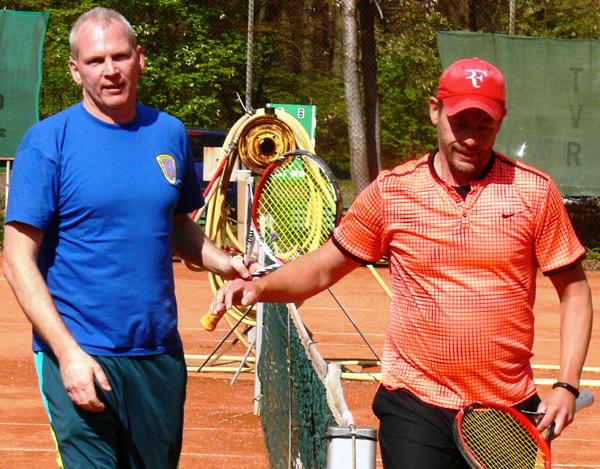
(296, 209)
(499, 442)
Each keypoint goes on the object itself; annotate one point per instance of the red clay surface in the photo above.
(220, 428)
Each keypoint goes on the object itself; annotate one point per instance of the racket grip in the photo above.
(209, 321)
(586, 398)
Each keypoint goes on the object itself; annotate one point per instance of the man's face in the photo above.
(465, 142)
(108, 68)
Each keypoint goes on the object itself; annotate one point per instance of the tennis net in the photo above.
(301, 395)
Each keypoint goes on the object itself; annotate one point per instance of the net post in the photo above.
(258, 345)
(244, 199)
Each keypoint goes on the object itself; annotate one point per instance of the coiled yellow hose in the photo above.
(257, 139)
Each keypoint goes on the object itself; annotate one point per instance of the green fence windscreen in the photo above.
(21, 44)
(553, 101)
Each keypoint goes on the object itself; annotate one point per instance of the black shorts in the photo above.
(417, 435)
(142, 425)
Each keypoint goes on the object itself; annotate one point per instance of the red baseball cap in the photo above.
(473, 83)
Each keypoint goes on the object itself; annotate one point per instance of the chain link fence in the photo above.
(368, 66)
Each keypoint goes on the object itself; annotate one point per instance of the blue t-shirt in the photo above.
(105, 196)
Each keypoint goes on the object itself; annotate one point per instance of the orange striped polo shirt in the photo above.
(464, 275)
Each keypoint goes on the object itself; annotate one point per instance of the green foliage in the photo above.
(196, 73)
(409, 68)
(569, 19)
(196, 59)
(593, 253)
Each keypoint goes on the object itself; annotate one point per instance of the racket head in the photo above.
(297, 204)
(491, 436)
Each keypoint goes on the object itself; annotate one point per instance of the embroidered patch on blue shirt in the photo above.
(169, 167)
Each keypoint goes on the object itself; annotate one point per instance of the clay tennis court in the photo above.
(221, 429)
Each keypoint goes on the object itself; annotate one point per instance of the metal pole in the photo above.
(250, 56)
(511, 13)
(260, 307)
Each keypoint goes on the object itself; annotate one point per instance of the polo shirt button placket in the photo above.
(465, 220)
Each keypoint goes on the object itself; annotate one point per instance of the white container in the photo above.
(351, 447)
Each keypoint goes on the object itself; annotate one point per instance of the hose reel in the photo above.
(262, 142)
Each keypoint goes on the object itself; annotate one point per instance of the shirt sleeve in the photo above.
(361, 234)
(33, 189)
(190, 196)
(556, 244)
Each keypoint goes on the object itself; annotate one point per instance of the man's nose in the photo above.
(470, 137)
(110, 68)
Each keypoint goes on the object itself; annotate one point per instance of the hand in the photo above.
(78, 371)
(559, 407)
(242, 270)
(235, 292)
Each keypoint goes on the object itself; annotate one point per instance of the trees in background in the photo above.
(196, 61)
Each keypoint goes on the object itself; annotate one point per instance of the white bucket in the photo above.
(351, 447)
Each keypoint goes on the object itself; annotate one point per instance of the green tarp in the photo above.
(553, 101)
(21, 43)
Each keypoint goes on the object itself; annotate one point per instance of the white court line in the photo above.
(30, 450)
(577, 466)
(219, 455)
(210, 429)
(25, 424)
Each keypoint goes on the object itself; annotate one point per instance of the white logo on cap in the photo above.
(476, 77)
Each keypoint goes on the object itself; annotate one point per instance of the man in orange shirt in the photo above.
(465, 230)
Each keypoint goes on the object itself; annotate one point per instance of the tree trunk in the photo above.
(356, 128)
(308, 49)
(336, 33)
(367, 12)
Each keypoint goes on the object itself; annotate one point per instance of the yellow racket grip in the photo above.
(209, 321)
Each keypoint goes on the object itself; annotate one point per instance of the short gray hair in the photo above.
(99, 15)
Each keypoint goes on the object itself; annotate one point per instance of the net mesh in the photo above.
(297, 407)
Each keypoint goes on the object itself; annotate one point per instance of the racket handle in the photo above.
(586, 398)
(209, 321)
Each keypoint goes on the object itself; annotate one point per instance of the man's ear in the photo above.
(434, 110)
(502, 119)
(75, 71)
(141, 57)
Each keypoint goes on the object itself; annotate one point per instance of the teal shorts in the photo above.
(142, 425)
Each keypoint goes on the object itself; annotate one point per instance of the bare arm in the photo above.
(78, 370)
(192, 244)
(300, 279)
(575, 330)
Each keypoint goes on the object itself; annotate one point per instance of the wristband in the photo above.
(572, 389)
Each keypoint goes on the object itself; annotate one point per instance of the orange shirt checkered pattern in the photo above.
(464, 276)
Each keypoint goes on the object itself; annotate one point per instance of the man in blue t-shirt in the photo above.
(99, 201)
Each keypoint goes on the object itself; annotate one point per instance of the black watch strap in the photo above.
(572, 389)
